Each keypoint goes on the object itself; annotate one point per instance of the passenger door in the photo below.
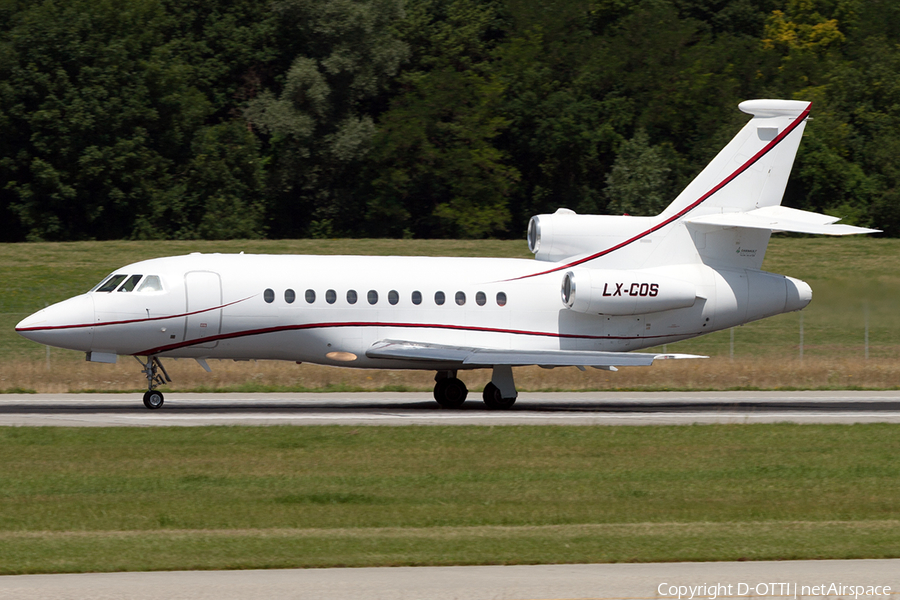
(203, 291)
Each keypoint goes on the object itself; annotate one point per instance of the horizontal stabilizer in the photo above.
(489, 357)
(781, 218)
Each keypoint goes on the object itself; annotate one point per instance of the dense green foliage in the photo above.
(424, 118)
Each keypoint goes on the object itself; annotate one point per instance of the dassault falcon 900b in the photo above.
(601, 287)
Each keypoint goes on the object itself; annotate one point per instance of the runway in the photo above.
(595, 408)
(757, 580)
(523, 582)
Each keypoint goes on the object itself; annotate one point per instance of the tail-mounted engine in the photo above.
(605, 292)
(564, 233)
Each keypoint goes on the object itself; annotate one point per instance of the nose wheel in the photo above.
(153, 399)
(156, 376)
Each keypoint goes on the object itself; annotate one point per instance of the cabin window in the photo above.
(393, 297)
(351, 296)
(480, 299)
(269, 296)
(501, 298)
(112, 283)
(330, 296)
(372, 297)
(417, 298)
(151, 284)
(460, 298)
(290, 296)
(439, 298)
(130, 283)
(310, 296)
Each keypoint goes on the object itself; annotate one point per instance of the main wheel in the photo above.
(450, 392)
(153, 399)
(494, 400)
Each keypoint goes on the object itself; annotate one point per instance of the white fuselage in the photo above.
(602, 285)
(296, 308)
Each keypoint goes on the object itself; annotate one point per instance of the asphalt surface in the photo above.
(785, 579)
(602, 408)
(757, 580)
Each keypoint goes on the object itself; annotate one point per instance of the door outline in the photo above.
(202, 291)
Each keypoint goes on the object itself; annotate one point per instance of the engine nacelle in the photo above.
(565, 233)
(606, 292)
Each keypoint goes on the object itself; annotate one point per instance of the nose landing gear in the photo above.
(156, 376)
(153, 399)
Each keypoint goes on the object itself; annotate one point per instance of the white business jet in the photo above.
(601, 287)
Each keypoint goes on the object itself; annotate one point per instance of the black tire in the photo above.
(493, 400)
(450, 392)
(153, 400)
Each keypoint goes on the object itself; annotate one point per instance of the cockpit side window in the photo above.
(102, 281)
(151, 284)
(130, 283)
(111, 283)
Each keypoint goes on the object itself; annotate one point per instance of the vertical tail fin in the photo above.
(752, 170)
(724, 216)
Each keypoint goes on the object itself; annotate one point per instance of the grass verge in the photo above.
(107, 551)
(258, 497)
(717, 373)
(855, 284)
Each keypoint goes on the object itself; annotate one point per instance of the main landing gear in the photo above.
(493, 398)
(500, 393)
(156, 376)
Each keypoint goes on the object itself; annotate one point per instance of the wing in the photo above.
(489, 357)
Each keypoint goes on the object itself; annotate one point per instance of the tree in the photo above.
(560, 137)
(315, 123)
(220, 194)
(638, 181)
(78, 102)
(102, 102)
(436, 170)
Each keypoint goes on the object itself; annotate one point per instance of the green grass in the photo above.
(288, 548)
(39, 274)
(251, 497)
(853, 279)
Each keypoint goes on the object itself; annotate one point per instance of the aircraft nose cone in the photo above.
(67, 324)
(799, 294)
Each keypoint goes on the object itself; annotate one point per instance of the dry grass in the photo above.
(67, 375)
(856, 282)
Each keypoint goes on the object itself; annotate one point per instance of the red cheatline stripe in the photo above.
(147, 320)
(793, 125)
(283, 328)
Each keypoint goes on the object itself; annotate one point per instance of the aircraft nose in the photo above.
(67, 324)
(799, 294)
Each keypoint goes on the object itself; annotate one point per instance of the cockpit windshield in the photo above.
(129, 283)
(111, 283)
